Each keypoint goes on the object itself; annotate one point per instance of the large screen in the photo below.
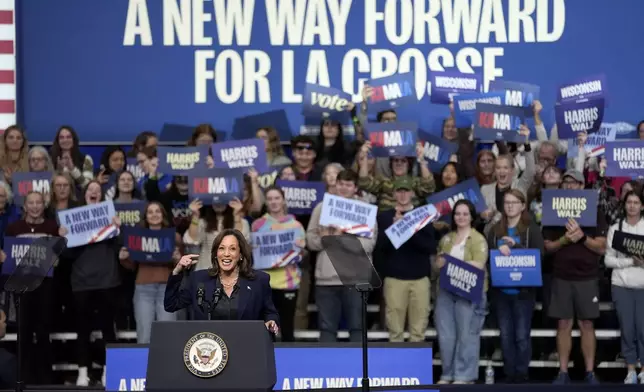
(117, 67)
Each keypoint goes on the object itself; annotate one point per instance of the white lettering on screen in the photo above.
(426, 30)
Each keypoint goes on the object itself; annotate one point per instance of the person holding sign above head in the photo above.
(37, 306)
(203, 135)
(458, 320)
(95, 277)
(406, 269)
(381, 186)
(170, 191)
(628, 281)
(151, 278)
(285, 271)
(515, 306)
(229, 290)
(574, 294)
(148, 163)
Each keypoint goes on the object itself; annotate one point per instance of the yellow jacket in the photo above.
(476, 250)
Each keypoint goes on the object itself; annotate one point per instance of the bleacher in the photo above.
(609, 368)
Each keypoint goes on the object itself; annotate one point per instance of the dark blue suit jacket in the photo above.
(255, 301)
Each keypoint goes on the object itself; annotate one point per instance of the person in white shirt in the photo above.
(628, 286)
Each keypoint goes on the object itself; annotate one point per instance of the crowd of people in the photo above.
(100, 280)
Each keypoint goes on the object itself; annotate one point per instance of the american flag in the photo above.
(7, 64)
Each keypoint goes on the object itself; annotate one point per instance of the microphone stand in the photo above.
(364, 290)
(211, 305)
(20, 384)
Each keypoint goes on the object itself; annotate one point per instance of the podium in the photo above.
(236, 355)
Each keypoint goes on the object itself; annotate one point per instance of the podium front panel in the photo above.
(206, 355)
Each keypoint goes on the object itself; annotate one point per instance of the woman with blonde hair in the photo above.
(13, 152)
(274, 151)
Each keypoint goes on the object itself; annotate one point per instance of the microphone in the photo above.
(201, 291)
(216, 296)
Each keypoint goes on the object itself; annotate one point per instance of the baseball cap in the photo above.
(403, 183)
(576, 175)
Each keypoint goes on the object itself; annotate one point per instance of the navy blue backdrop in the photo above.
(82, 63)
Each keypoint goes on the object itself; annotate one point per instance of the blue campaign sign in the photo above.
(302, 196)
(436, 150)
(235, 154)
(179, 161)
(132, 165)
(25, 182)
(392, 139)
(590, 87)
(465, 106)
(131, 214)
(149, 246)
(88, 224)
(27, 252)
(580, 116)
(216, 186)
(327, 102)
(445, 85)
(305, 367)
(625, 159)
(444, 201)
(392, 92)
(216, 61)
(270, 176)
(559, 205)
(516, 93)
(462, 279)
(522, 268)
(499, 122)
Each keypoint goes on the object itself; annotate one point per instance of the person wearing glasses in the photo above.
(515, 305)
(304, 159)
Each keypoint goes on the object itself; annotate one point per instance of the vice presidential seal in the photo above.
(205, 355)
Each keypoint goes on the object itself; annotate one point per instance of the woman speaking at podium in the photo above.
(229, 290)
